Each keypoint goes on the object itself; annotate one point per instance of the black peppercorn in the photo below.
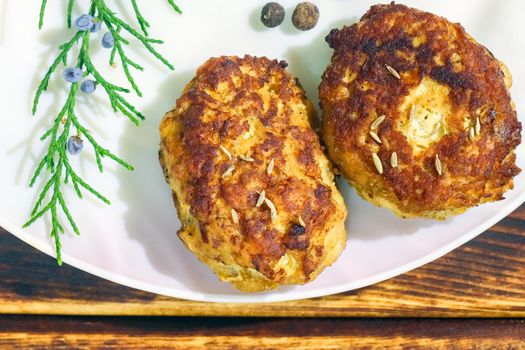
(305, 16)
(272, 14)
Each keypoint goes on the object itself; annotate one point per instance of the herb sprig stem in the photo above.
(55, 168)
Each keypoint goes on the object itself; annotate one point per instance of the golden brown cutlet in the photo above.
(241, 129)
(448, 129)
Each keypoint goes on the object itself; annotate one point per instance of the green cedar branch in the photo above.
(55, 169)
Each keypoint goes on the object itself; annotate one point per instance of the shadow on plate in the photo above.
(41, 121)
(375, 223)
(44, 118)
(254, 20)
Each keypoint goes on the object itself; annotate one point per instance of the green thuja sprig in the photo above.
(55, 168)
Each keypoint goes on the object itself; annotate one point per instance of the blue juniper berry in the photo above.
(75, 145)
(72, 74)
(88, 86)
(84, 23)
(108, 40)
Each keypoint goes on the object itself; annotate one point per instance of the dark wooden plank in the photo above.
(23, 332)
(484, 278)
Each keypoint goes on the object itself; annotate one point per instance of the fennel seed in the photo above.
(261, 198)
(225, 151)
(377, 122)
(393, 71)
(229, 171)
(235, 216)
(270, 167)
(375, 137)
(393, 160)
(246, 158)
(273, 210)
(437, 164)
(377, 163)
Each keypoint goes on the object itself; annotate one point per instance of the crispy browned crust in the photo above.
(252, 107)
(357, 88)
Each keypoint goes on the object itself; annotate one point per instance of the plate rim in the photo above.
(257, 298)
(463, 236)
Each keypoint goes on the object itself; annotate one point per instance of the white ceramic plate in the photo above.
(133, 242)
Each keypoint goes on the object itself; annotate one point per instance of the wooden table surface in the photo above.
(472, 297)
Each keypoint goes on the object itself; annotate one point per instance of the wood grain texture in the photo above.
(23, 332)
(484, 278)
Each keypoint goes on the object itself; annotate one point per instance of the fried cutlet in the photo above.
(254, 192)
(417, 115)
